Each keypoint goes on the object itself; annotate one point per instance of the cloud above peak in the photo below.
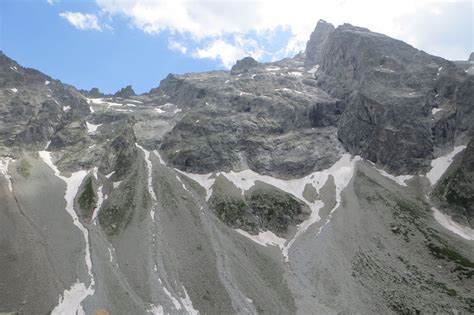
(82, 21)
(226, 30)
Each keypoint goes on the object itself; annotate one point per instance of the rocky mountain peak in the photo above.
(244, 65)
(471, 57)
(316, 42)
(125, 92)
(93, 93)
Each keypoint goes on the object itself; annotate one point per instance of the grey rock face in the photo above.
(471, 57)
(388, 89)
(93, 93)
(317, 42)
(33, 106)
(244, 65)
(125, 92)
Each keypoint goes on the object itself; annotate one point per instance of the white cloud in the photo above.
(177, 46)
(223, 22)
(219, 49)
(82, 21)
(51, 2)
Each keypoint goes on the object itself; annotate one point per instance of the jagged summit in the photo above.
(471, 57)
(125, 92)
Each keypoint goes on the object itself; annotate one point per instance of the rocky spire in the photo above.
(316, 42)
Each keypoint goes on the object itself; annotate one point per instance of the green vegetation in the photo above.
(23, 168)
(87, 199)
(449, 254)
(264, 210)
(111, 218)
(444, 287)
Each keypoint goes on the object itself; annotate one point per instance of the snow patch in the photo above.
(116, 184)
(157, 154)
(264, 238)
(4, 162)
(46, 82)
(447, 222)
(435, 110)
(226, 81)
(314, 69)
(71, 301)
(100, 197)
(205, 180)
(441, 164)
(156, 310)
(66, 108)
(272, 68)
(14, 90)
(295, 73)
(91, 128)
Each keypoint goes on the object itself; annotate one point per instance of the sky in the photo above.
(113, 43)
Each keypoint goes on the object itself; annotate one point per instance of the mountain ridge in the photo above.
(306, 185)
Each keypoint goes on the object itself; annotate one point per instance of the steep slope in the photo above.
(232, 191)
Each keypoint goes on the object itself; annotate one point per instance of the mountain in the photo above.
(336, 181)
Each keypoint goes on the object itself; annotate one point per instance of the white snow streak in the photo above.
(435, 110)
(441, 164)
(453, 226)
(14, 90)
(150, 180)
(46, 82)
(176, 303)
(295, 73)
(100, 198)
(400, 180)
(71, 301)
(188, 304)
(4, 162)
(272, 69)
(264, 238)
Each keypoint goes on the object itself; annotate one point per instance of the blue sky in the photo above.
(113, 43)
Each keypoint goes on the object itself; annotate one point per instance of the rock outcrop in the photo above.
(125, 92)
